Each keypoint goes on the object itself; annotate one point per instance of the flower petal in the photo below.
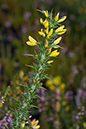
(63, 31)
(23, 124)
(41, 33)
(46, 23)
(59, 29)
(54, 53)
(62, 19)
(31, 43)
(50, 61)
(41, 20)
(57, 17)
(46, 43)
(50, 32)
(45, 13)
(57, 41)
(32, 39)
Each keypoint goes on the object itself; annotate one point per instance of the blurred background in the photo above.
(19, 18)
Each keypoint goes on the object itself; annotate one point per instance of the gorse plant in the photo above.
(48, 48)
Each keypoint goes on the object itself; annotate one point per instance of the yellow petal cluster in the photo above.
(54, 53)
(49, 50)
(62, 86)
(45, 12)
(57, 80)
(49, 33)
(49, 84)
(46, 23)
(31, 42)
(60, 30)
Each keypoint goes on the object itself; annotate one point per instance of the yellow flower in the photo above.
(1, 105)
(41, 20)
(54, 53)
(57, 17)
(47, 37)
(41, 33)
(57, 41)
(45, 13)
(46, 23)
(84, 124)
(49, 50)
(62, 86)
(62, 19)
(46, 43)
(51, 87)
(59, 29)
(50, 32)
(64, 103)
(32, 41)
(48, 83)
(67, 108)
(34, 123)
(23, 124)
(57, 80)
(63, 31)
(50, 61)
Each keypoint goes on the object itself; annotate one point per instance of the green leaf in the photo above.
(39, 11)
(33, 106)
(41, 87)
(7, 90)
(14, 111)
(23, 85)
(31, 66)
(57, 46)
(6, 126)
(15, 99)
(38, 96)
(28, 55)
(48, 78)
